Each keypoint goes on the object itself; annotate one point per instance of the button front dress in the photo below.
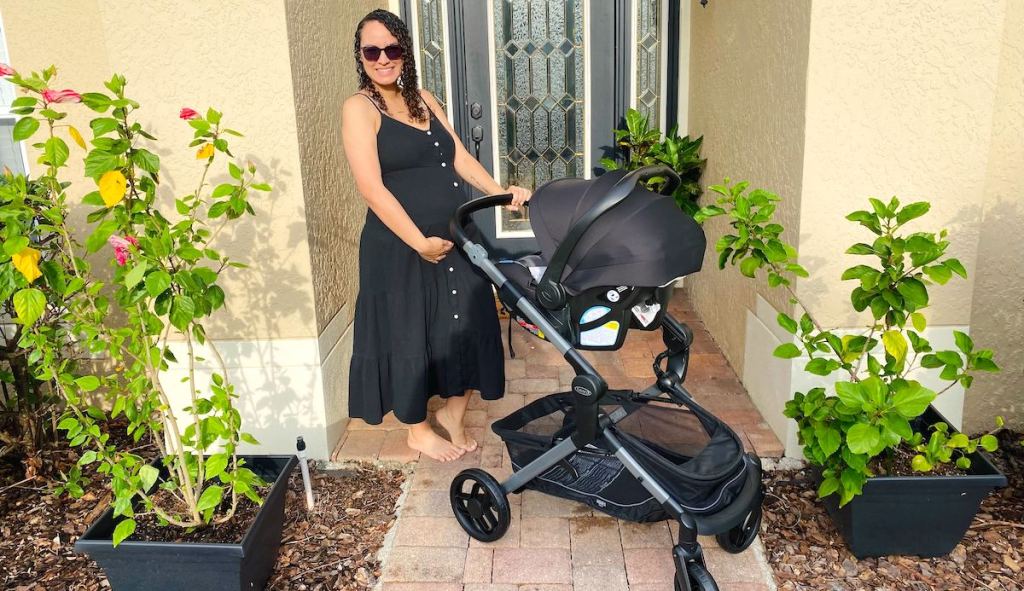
(421, 329)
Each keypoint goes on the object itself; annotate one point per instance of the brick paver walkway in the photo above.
(554, 544)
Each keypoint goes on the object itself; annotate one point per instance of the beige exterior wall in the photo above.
(748, 65)
(320, 42)
(830, 102)
(178, 54)
(997, 308)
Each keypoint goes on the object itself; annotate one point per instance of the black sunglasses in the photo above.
(372, 53)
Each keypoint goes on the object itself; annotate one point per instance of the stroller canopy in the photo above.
(646, 240)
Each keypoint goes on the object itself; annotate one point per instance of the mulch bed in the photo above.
(332, 547)
(807, 552)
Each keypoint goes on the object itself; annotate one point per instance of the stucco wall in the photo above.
(997, 310)
(748, 62)
(178, 54)
(895, 108)
(320, 41)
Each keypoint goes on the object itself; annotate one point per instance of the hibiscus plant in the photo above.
(854, 427)
(99, 338)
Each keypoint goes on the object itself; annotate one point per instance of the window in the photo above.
(12, 154)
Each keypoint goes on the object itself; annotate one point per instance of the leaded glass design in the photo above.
(432, 54)
(648, 60)
(539, 80)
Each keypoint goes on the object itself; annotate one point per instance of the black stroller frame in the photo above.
(484, 511)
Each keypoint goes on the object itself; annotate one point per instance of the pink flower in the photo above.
(6, 70)
(121, 249)
(61, 96)
(187, 114)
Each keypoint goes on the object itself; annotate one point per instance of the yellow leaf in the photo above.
(27, 261)
(895, 344)
(205, 152)
(76, 136)
(112, 187)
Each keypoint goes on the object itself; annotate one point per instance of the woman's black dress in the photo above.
(421, 329)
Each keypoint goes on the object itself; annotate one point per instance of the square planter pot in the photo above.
(915, 515)
(183, 566)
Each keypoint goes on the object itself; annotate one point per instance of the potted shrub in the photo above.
(895, 477)
(160, 283)
(641, 146)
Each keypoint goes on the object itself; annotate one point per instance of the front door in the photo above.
(535, 88)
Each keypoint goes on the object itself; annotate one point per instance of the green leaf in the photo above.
(955, 266)
(958, 440)
(157, 282)
(56, 151)
(912, 399)
(862, 438)
(148, 474)
(133, 277)
(985, 364)
(938, 273)
(99, 236)
(216, 465)
(989, 443)
(920, 464)
(787, 351)
(818, 366)
(963, 342)
(860, 249)
(261, 187)
(183, 309)
(963, 462)
(124, 529)
(898, 424)
(15, 244)
(102, 125)
(96, 101)
(787, 323)
(829, 438)
(851, 394)
(29, 304)
(828, 486)
(918, 321)
(912, 211)
(99, 162)
(146, 160)
(895, 344)
(88, 383)
(222, 190)
(210, 498)
(749, 266)
(913, 291)
(24, 128)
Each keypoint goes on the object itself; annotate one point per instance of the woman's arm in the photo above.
(466, 166)
(359, 124)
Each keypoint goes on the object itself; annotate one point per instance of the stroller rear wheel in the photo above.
(700, 579)
(480, 505)
(739, 538)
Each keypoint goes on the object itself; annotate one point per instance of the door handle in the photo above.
(476, 111)
(477, 136)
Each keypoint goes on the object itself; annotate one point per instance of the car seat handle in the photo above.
(550, 291)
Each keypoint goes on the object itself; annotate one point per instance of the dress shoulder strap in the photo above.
(372, 102)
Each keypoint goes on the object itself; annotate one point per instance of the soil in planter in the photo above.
(899, 464)
(231, 532)
(807, 553)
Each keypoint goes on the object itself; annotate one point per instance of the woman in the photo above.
(425, 320)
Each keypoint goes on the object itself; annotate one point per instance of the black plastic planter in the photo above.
(915, 515)
(138, 565)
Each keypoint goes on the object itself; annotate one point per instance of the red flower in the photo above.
(61, 96)
(187, 114)
(6, 70)
(121, 250)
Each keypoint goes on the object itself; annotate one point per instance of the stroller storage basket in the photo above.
(698, 459)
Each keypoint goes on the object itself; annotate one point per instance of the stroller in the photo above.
(610, 252)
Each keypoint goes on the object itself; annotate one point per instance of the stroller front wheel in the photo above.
(740, 537)
(480, 505)
(700, 579)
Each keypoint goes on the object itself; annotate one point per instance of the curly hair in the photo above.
(408, 80)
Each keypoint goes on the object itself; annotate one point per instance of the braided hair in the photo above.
(408, 79)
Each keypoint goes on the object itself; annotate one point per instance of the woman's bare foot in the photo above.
(456, 429)
(424, 440)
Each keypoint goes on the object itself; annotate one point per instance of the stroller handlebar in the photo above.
(457, 226)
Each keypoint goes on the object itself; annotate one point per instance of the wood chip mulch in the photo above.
(807, 552)
(332, 547)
